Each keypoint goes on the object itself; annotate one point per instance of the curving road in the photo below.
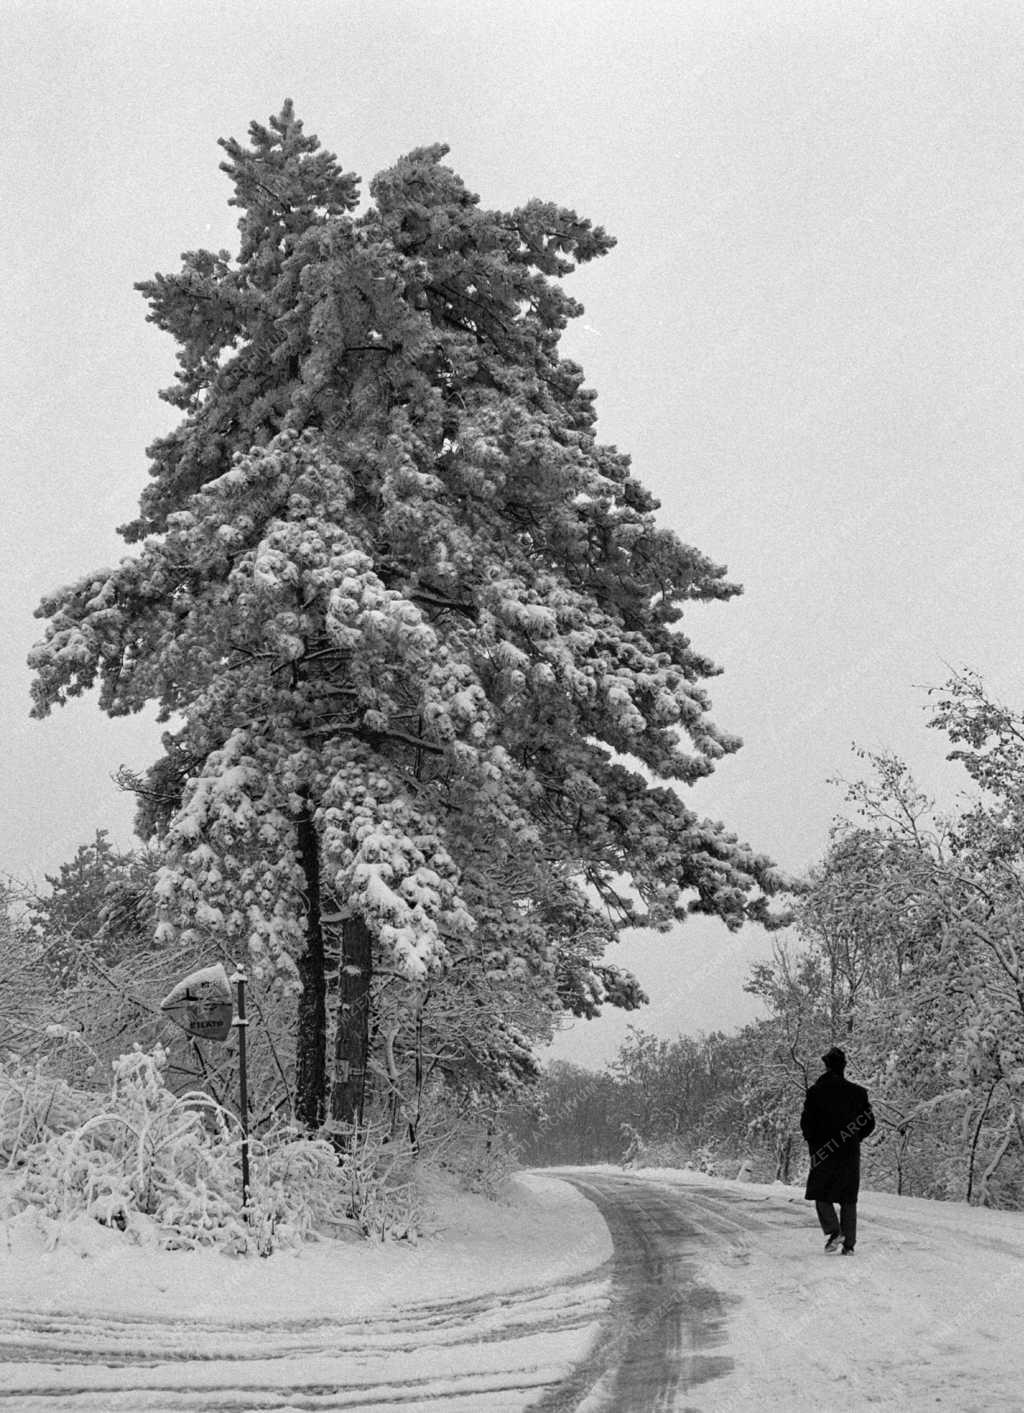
(659, 1344)
(665, 1329)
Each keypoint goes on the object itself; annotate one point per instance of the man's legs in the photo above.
(830, 1224)
(848, 1223)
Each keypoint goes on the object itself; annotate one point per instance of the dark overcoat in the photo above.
(836, 1117)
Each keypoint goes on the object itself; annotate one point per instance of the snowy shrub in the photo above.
(479, 1156)
(707, 1160)
(34, 1103)
(297, 1189)
(176, 1159)
(379, 1178)
(634, 1154)
(25, 986)
(676, 1153)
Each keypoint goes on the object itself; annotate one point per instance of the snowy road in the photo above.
(723, 1301)
(717, 1298)
(666, 1327)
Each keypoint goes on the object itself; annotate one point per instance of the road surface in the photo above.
(658, 1331)
(666, 1327)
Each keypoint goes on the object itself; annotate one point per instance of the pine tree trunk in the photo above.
(353, 1033)
(311, 1036)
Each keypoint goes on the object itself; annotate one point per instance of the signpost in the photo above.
(202, 1005)
(239, 978)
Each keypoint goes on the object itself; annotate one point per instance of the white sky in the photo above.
(809, 337)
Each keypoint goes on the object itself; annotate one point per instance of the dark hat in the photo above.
(834, 1059)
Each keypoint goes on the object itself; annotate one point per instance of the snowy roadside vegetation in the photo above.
(149, 1138)
(146, 1140)
(140, 1151)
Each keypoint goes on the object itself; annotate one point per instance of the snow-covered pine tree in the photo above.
(99, 904)
(415, 629)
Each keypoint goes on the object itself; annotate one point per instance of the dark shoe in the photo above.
(833, 1241)
(847, 1251)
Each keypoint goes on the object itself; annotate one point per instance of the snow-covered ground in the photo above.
(495, 1306)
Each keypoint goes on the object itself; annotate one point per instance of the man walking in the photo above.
(836, 1118)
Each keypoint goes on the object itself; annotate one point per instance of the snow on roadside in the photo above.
(541, 1232)
(928, 1313)
(487, 1312)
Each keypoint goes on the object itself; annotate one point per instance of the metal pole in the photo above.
(239, 978)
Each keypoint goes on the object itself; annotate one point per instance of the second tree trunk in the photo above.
(351, 1042)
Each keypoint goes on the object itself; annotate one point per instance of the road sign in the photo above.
(202, 1003)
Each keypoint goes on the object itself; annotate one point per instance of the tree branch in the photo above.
(374, 738)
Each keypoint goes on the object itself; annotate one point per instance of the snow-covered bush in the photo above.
(34, 1104)
(176, 1159)
(479, 1156)
(299, 1188)
(635, 1150)
(26, 989)
(380, 1183)
(706, 1159)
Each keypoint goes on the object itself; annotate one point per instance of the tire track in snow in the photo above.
(488, 1354)
(664, 1333)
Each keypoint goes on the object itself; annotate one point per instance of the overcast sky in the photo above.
(809, 337)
